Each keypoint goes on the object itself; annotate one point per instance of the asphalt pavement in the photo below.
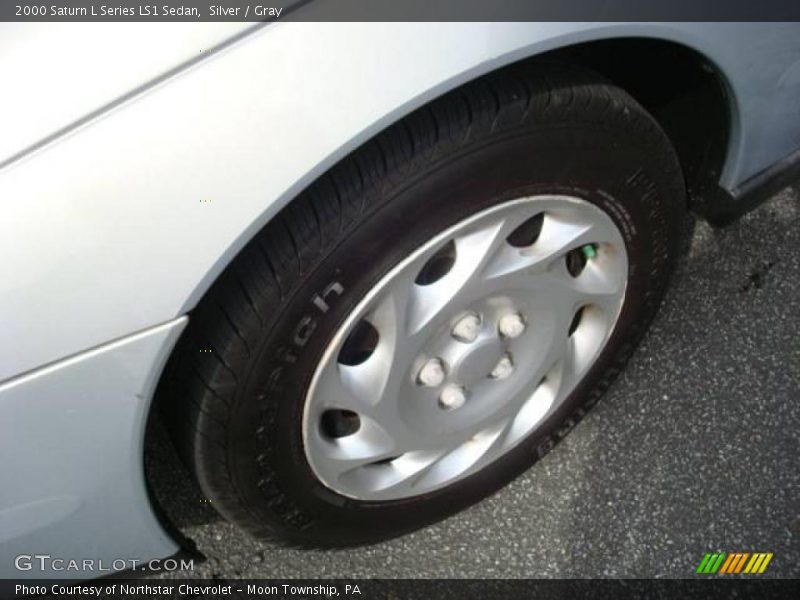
(696, 448)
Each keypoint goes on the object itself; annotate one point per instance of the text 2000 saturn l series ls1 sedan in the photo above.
(368, 273)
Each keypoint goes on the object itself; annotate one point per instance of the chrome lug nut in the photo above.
(452, 397)
(466, 328)
(511, 325)
(503, 368)
(432, 373)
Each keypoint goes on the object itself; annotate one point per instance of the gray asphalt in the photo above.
(696, 448)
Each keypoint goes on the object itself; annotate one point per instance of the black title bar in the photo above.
(400, 10)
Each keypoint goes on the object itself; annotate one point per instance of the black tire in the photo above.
(235, 387)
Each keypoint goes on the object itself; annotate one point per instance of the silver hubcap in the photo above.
(464, 348)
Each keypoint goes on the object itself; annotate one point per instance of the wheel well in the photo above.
(682, 89)
(678, 86)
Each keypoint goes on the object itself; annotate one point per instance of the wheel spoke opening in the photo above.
(535, 407)
(576, 321)
(385, 461)
(390, 474)
(577, 258)
(336, 423)
(525, 235)
(438, 265)
(359, 345)
(588, 336)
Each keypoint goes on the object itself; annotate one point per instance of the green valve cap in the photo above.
(589, 251)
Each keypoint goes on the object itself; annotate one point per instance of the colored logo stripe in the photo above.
(735, 562)
(758, 563)
(711, 562)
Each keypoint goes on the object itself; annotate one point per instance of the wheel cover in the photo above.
(464, 348)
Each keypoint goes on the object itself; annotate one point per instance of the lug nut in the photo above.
(452, 397)
(511, 325)
(466, 329)
(503, 368)
(432, 373)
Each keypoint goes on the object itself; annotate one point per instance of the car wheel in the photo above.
(432, 315)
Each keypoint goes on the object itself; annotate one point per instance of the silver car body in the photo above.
(137, 160)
